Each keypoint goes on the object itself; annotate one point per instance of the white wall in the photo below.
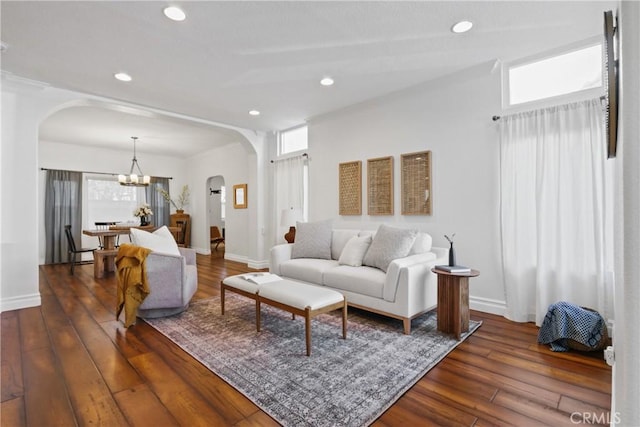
(452, 118)
(24, 105)
(626, 339)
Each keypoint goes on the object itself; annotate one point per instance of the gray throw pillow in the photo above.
(313, 240)
(388, 244)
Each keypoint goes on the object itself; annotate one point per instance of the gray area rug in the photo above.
(343, 383)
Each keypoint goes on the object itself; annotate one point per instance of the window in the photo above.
(292, 140)
(107, 200)
(567, 73)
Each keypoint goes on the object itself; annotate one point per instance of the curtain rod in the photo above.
(496, 118)
(97, 173)
(301, 155)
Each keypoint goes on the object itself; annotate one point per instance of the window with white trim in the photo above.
(292, 140)
(557, 76)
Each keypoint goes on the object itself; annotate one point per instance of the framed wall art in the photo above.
(240, 196)
(380, 186)
(350, 188)
(416, 183)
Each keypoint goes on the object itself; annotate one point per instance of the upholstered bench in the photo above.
(294, 297)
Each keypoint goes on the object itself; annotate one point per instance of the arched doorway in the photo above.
(216, 210)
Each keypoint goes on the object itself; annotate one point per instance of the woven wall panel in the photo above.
(416, 183)
(350, 188)
(380, 186)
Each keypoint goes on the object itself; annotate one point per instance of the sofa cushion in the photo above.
(361, 280)
(160, 240)
(313, 240)
(388, 244)
(307, 269)
(422, 244)
(354, 251)
(340, 238)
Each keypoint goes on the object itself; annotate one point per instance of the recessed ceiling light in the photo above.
(254, 112)
(327, 81)
(123, 77)
(462, 27)
(174, 13)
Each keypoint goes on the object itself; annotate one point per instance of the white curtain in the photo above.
(289, 184)
(552, 178)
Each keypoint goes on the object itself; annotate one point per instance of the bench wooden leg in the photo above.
(307, 329)
(222, 299)
(344, 320)
(258, 317)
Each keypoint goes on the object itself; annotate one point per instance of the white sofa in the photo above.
(406, 290)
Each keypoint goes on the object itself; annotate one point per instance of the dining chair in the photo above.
(104, 225)
(216, 236)
(72, 250)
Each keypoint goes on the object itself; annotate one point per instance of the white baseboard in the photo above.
(23, 301)
(487, 305)
(234, 257)
(258, 265)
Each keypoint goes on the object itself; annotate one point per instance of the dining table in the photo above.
(104, 258)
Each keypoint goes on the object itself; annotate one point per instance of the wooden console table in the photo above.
(453, 301)
(181, 222)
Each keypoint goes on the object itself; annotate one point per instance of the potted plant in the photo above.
(181, 201)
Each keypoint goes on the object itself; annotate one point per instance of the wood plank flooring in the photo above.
(69, 362)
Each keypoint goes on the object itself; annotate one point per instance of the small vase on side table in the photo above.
(452, 255)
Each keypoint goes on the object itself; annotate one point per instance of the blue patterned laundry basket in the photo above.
(568, 326)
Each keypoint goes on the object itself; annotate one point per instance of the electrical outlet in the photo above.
(609, 355)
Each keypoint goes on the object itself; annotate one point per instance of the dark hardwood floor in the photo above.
(69, 362)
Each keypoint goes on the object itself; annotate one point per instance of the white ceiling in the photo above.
(229, 57)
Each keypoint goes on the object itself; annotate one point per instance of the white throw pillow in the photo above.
(354, 251)
(422, 244)
(388, 244)
(339, 239)
(313, 240)
(160, 240)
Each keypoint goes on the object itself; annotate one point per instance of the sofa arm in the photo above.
(278, 255)
(393, 276)
(189, 255)
(399, 268)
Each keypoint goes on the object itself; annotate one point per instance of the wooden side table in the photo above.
(453, 301)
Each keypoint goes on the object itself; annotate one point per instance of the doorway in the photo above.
(217, 212)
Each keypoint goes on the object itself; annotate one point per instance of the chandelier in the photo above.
(133, 179)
